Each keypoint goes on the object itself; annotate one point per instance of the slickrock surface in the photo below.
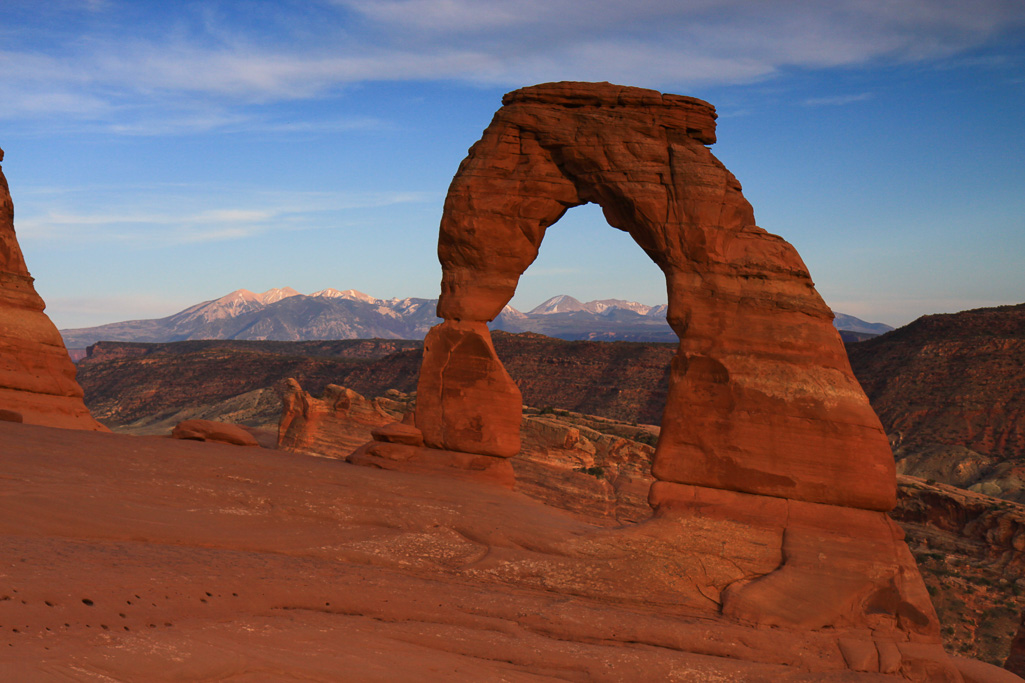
(761, 396)
(176, 560)
(37, 378)
(969, 546)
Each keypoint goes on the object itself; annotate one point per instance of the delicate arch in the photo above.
(761, 399)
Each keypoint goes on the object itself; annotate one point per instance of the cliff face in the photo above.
(950, 392)
(37, 378)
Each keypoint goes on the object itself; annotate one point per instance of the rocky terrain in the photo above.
(127, 382)
(970, 547)
(201, 561)
(966, 543)
(950, 391)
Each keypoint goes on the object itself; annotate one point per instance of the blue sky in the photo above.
(160, 154)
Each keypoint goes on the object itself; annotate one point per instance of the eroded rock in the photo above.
(761, 397)
(332, 425)
(37, 378)
(218, 432)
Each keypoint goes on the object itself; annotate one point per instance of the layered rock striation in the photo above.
(37, 378)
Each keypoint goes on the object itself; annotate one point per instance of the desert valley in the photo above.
(737, 485)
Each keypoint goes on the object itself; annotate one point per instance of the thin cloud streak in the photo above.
(838, 100)
(178, 218)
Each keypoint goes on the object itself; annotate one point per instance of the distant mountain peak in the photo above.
(285, 314)
(237, 295)
(351, 294)
(563, 303)
(277, 294)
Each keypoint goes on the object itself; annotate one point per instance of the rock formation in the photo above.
(332, 425)
(157, 559)
(761, 399)
(773, 472)
(37, 378)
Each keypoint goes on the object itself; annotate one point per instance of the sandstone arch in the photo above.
(762, 399)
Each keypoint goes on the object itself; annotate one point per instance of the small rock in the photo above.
(397, 432)
(208, 430)
(10, 416)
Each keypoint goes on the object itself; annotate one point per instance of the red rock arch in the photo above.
(762, 399)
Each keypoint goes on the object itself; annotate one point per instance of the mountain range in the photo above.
(286, 315)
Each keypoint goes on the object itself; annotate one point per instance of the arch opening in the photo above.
(583, 257)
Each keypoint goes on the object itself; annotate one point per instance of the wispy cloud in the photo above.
(201, 63)
(159, 216)
(837, 100)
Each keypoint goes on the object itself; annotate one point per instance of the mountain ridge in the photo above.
(284, 314)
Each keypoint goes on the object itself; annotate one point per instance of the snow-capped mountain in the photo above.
(286, 315)
(277, 314)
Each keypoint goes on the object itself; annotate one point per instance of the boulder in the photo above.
(397, 432)
(208, 430)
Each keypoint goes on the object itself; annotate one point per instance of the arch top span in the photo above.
(761, 400)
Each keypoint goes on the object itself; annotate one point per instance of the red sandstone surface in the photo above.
(37, 378)
(178, 560)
